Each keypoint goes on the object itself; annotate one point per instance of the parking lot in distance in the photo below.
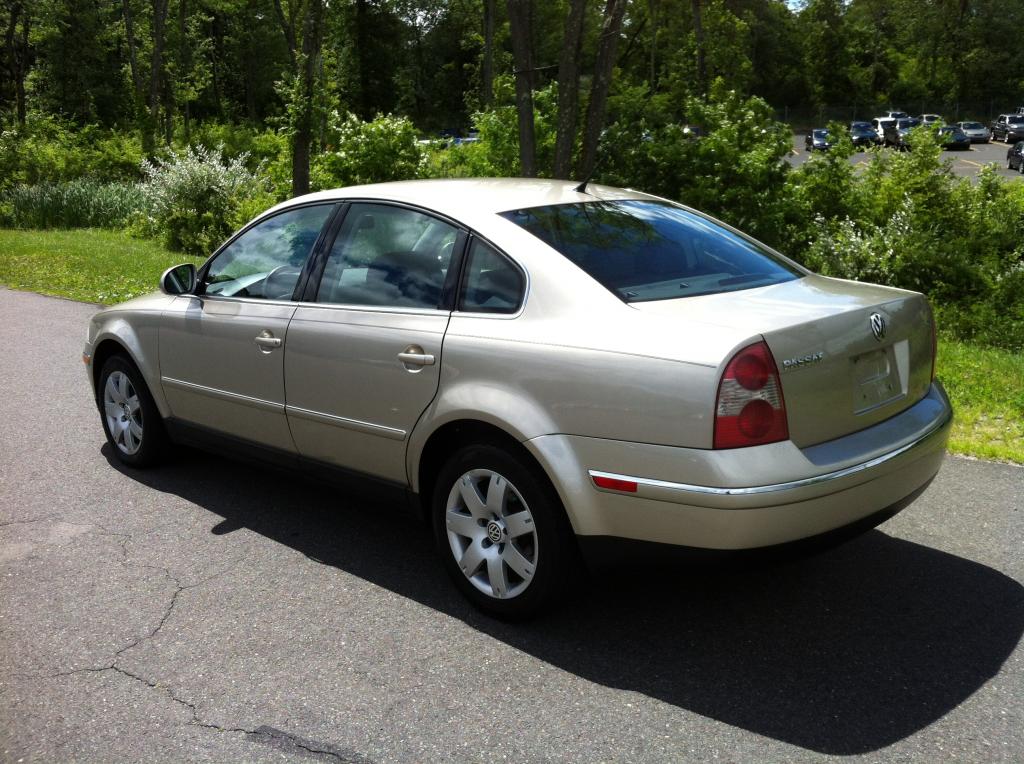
(966, 164)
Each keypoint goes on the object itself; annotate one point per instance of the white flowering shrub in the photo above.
(193, 198)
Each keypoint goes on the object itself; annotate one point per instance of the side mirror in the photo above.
(181, 279)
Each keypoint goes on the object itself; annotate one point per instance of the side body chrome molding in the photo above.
(369, 428)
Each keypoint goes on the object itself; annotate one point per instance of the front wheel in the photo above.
(502, 532)
(130, 418)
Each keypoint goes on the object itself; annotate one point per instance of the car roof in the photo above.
(469, 197)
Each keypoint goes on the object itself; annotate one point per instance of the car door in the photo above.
(222, 349)
(364, 348)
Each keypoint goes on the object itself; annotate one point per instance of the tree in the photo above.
(303, 29)
(568, 88)
(17, 51)
(607, 44)
(519, 12)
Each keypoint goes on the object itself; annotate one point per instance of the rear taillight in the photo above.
(750, 410)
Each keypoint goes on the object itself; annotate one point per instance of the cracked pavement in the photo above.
(216, 611)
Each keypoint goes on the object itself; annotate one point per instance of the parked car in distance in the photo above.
(880, 124)
(1015, 157)
(953, 138)
(895, 133)
(896, 115)
(976, 131)
(1008, 128)
(863, 134)
(544, 368)
(817, 140)
(930, 119)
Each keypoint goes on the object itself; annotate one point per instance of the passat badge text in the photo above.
(805, 360)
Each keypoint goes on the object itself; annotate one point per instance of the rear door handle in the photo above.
(414, 356)
(266, 340)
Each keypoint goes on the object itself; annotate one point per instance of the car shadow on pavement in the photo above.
(842, 653)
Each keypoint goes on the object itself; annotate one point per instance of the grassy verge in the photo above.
(986, 386)
(83, 264)
(987, 390)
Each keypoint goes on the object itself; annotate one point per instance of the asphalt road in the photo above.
(213, 611)
(966, 164)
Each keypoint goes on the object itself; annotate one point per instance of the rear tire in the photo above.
(502, 532)
(130, 418)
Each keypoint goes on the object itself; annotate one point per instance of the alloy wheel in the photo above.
(491, 533)
(123, 412)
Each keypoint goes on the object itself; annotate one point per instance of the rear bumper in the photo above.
(752, 497)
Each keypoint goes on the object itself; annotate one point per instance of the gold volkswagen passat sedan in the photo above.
(545, 368)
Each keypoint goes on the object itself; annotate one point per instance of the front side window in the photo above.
(388, 256)
(492, 283)
(646, 250)
(265, 261)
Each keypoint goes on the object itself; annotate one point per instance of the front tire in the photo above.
(130, 417)
(502, 532)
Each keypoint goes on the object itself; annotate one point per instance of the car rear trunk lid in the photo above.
(849, 355)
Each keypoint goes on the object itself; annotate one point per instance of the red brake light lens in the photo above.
(750, 410)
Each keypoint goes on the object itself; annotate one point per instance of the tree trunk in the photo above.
(16, 54)
(21, 68)
(312, 41)
(698, 34)
(155, 75)
(653, 76)
(519, 27)
(185, 58)
(568, 89)
(363, 101)
(613, 13)
(133, 60)
(487, 65)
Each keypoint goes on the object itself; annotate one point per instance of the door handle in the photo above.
(414, 356)
(266, 340)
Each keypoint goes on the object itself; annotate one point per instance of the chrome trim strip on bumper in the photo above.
(349, 424)
(224, 395)
(775, 487)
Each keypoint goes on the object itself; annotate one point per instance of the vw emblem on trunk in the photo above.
(877, 326)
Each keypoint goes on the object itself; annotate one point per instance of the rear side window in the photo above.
(493, 284)
(645, 250)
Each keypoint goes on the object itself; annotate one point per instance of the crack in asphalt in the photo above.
(28, 522)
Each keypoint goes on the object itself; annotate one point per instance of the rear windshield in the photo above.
(646, 250)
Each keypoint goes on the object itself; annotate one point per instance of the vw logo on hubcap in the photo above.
(494, 532)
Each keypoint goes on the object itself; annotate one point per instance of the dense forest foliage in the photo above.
(182, 119)
(159, 67)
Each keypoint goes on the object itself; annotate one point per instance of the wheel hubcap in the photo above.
(123, 413)
(491, 534)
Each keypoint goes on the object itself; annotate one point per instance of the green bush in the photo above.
(74, 204)
(908, 221)
(496, 153)
(367, 152)
(195, 199)
(735, 171)
(50, 151)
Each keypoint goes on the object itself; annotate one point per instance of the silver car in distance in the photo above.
(544, 368)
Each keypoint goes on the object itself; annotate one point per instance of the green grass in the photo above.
(83, 264)
(985, 385)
